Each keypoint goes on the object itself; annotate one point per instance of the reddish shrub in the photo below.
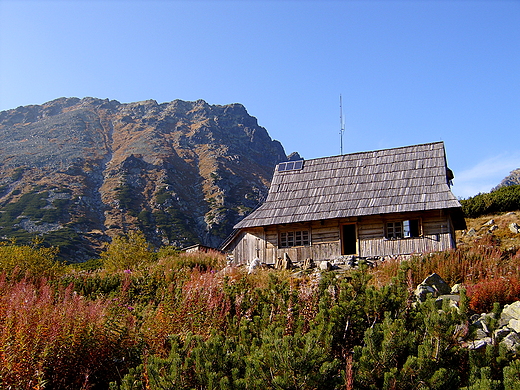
(58, 339)
(197, 306)
(483, 294)
(482, 261)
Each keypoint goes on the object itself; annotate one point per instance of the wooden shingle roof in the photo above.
(412, 178)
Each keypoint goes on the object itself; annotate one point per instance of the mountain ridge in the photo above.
(512, 179)
(182, 172)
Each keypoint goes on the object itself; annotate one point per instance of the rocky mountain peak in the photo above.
(512, 179)
(294, 156)
(182, 172)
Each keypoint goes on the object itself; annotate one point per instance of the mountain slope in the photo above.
(510, 180)
(82, 170)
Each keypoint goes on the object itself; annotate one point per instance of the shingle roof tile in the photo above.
(403, 179)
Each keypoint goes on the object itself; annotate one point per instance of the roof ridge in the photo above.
(376, 151)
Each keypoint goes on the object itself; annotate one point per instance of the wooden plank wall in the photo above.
(248, 245)
(436, 235)
(295, 253)
(325, 242)
(378, 247)
(325, 236)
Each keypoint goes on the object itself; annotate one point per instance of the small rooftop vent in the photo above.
(290, 166)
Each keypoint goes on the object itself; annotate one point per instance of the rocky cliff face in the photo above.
(512, 179)
(81, 170)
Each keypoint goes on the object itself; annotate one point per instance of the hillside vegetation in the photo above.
(139, 319)
(493, 213)
(501, 200)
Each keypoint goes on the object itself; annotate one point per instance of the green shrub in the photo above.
(130, 252)
(89, 265)
(502, 200)
(30, 260)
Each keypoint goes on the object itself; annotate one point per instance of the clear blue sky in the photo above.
(408, 71)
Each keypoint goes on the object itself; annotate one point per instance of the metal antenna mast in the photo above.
(341, 124)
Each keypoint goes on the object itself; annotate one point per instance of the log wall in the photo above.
(326, 238)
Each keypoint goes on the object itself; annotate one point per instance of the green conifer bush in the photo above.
(501, 200)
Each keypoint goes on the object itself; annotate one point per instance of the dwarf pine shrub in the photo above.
(501, 200)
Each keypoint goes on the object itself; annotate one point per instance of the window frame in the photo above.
(294, 238)
(403, 229)
(394, 230)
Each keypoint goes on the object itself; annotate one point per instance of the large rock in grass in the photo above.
(514, 228)
(433, 285)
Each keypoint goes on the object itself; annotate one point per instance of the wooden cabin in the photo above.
(372, 204)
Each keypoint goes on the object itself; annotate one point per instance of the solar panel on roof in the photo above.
(290, 166)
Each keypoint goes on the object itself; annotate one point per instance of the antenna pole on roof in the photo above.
(341, 124)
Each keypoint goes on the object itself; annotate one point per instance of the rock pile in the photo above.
(504, 330)
(346, 262)
(485, 328)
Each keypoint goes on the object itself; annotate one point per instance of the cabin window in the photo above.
(394, 230)
(402, 229)
(295, 238)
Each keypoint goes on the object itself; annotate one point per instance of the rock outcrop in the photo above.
(512, 179)
(503, 330)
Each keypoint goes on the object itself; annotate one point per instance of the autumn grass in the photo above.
(466, 265)
(58, 339)
(486, 292)
(203, 261)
